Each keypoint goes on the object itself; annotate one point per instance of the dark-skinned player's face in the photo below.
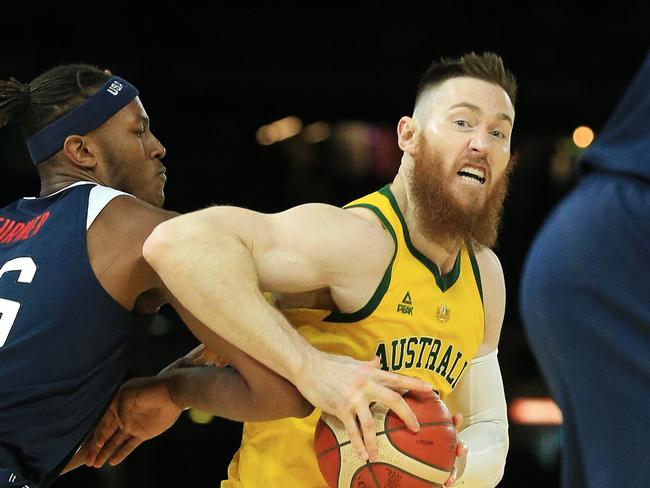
(130, 155)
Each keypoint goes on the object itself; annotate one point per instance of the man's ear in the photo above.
(78, 150)
(407, 130)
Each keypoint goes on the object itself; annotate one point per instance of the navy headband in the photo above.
(112, 97)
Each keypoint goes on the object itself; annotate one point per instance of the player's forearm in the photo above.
(481, 399)
(213, 275)
(225, 393)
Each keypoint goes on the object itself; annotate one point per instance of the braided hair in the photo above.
(47, 97)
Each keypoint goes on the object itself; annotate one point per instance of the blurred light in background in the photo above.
(352, 146)
(317, 132)
(535, 411)
(583, 136)
(279, 130)
(564, 162)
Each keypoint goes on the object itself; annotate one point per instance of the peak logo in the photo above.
(406, 307)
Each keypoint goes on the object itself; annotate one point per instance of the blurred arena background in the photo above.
(270, 107)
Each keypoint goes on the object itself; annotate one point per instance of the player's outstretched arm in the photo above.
(228, 383)
(146, 407)
(217, 260)
(480, 396)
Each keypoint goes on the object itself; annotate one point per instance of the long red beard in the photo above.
(438, 213)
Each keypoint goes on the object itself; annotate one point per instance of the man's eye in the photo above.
(461, 123)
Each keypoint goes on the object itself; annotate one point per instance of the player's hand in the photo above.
(345, 388)
(141, 410)
(461, 454)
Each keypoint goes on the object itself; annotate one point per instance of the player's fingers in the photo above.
(457, 419)
(452, 477)
(103, 432)
(352, 429)
(107, 450)
(368, 429)
(461, 449)
(124, 450)
(397, 404)
(400, 382)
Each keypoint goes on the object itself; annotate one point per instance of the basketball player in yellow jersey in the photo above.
(407, 275)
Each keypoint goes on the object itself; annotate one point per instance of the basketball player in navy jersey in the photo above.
(73, 282)
(585, 304)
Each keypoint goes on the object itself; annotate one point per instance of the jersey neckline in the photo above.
(77, 183)
(444, 282)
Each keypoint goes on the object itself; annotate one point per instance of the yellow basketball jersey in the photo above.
(418, 322)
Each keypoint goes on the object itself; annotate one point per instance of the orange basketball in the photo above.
(406, 459)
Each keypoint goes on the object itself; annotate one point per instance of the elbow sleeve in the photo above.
(486, 458)
(481, 400)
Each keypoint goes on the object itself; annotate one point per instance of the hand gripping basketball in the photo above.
(345, 387)
(405, 459)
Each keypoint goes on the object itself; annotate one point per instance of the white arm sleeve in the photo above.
(481, 399)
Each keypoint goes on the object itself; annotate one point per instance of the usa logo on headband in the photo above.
(115, 88)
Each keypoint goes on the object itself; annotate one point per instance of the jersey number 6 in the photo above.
(8, 308)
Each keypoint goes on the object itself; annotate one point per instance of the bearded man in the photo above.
(404, 275)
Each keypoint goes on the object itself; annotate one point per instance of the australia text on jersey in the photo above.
(422, 352)
(12, 231)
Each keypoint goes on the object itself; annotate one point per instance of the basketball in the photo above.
(406, 459)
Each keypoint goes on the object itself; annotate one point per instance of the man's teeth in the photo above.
(472, 173)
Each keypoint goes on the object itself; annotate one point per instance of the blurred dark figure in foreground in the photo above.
(585, 304)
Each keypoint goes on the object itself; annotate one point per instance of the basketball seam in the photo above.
(338, 446)
(372, 473)
(383, 463)
(409, 454)
(340, 463)
(426, 424)
(383, 432)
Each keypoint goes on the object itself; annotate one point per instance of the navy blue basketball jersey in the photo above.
(65, 343)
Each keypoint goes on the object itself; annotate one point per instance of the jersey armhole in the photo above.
(381, 290)
(476, 270)
(98, 198)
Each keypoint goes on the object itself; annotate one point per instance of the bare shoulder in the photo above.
(345, 225)
(115, 242)
(494, 298)
(352, 242)
(124, 224)
(367, 215)
(127, 213)
(490, 266)
(323, 246)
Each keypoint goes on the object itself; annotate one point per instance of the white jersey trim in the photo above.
(99, 197)
(78, 183)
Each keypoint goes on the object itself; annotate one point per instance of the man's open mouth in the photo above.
(473, 174)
